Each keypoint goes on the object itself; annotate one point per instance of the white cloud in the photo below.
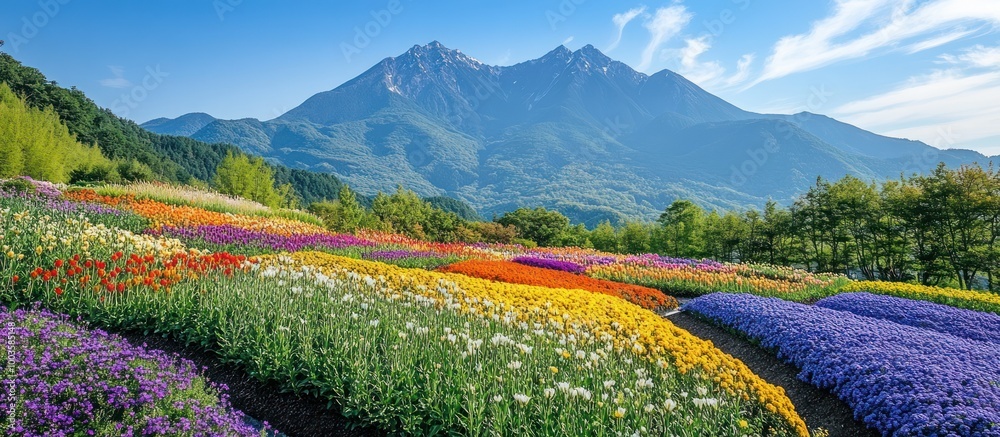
(945, 108)
(976, 56)
(836, 38)
(568, 40)
(664, 24)
(937, 41)
(118, 81)
(742, 70)
(621, 20)
(708, 73)
(696, 71)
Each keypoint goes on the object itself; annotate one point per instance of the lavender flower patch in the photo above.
(666, 262)
(226, 235)
(551, 264)
(396, 255)
(959, 322)
(585, 259)
(898, 379)
(70, 381)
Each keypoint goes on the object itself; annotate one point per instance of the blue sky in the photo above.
(926, 70)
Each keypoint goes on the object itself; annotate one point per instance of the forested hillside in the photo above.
(171, 158)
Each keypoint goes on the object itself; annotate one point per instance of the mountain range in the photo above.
(574, 131)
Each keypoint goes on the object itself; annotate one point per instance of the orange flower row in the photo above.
(510, 272)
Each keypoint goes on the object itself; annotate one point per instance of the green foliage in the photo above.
(539, 225)
(134, 171)
(250, 178)
(603, 237)
(95, 174)
(683, 223)
(458, 207)
(35, 143)
(491, 232)
(940, 229)
(344, 215)
(634, 238)
(405, 212)
(18, 185)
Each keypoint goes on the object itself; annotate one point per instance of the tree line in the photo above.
(942, 228)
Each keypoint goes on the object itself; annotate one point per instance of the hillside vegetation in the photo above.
(170, 158)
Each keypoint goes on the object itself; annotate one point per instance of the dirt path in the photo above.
(819, 408)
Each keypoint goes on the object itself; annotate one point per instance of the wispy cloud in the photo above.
(621, 20)
(700, 72)
(568, 40)
(118, 80)
(937, 41)
(666, 23)
(960, 100)
(976, 56)
(742, 70)
(710, 74)
(838, 37)
(503, 60)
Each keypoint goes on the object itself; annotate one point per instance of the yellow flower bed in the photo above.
(585, 314)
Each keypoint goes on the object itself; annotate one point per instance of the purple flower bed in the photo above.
(585, 260)
(396, 255)
(73, 207)
(71, 381)
(898, 379)
(666, 262)
(551, 264)
(959, 322)
(233, 235)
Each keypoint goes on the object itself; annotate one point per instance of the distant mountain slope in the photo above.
(572, 130)
(186, 124)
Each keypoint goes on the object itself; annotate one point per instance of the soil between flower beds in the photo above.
(818, 407)
(288, 413)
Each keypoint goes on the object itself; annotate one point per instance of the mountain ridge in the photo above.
(571, 130)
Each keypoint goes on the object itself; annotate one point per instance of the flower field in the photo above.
(697, 278)
(417, 337)
(899, 379)
(517, 273)
(260, 233)
(973, 325)
(491, 356)
(69, 381)
(968, 299)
